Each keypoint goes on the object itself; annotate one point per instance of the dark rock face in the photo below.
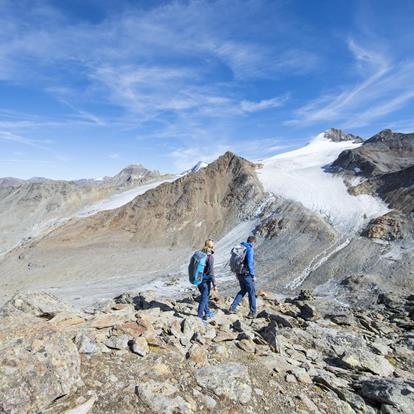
(396, 189)
(386, 163)
(385, 152)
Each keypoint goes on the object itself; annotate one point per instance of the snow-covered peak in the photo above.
(197, 167)
(337, 135)
(300, 175)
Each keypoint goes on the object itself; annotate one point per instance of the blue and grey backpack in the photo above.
(196, 267)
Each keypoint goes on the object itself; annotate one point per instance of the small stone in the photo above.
(247, 345)
(83, 408)
(160, 369)
(118, 342)
(310, 405)
(86, 345)
(197, 356)
(291, 379)
(301, 375)
(140, 346)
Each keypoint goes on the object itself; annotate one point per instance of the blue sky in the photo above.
(88, 87)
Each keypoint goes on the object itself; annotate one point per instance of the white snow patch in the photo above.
(298, 175)
(120, 199)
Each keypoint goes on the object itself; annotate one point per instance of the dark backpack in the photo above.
(237, 259)
(196, 267)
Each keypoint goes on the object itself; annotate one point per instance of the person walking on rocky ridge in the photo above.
(208, 280)
(247, 279)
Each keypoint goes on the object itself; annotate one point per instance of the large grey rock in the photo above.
(118, 342)
(230, 380)
(390, 393)
(38, 364)
(40, 304)
(367, 361)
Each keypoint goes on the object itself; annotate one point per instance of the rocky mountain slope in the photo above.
(380, 167)
(312, 229)
(30, 207)
(384, 166)
(385, 152)
(150, 354)
(151, 233)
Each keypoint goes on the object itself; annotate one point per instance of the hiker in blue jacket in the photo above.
(208, 280)
(247, 279)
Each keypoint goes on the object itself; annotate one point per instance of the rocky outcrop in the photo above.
(384, 153)
(396, 189)
(333, 359)
(384, 166)
(337, 135)
(38, 363)
(208, 202)
(30, 208)
(386, 227)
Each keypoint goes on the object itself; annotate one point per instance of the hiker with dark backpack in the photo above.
(242, 263)
(201, 274)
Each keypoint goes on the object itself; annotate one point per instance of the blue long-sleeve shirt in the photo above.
(249, 258)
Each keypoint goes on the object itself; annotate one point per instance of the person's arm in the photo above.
(211, 270)
(250, 262)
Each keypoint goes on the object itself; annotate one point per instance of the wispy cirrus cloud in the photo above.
(386, 85)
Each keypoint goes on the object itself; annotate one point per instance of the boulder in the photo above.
(39, 304)
(367, 361)
(229, 380)
(38, 364)
(389, 393)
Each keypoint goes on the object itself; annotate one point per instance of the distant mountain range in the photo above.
(338, 206)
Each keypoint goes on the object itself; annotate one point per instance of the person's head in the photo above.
(251, 239)
(208, 246)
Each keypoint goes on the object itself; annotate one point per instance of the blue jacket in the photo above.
(249, 258)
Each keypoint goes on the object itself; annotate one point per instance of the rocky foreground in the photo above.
(146, 354)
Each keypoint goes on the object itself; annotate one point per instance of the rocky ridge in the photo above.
(337, 135)
(384, 166)
(28, 208)
(148, 354)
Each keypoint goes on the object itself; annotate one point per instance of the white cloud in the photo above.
(250, 106)
(186, 158)
(386, 85)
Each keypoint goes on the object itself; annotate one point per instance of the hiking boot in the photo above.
(231, 311)
(204, 321)
(251, 315)
(210, 315)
